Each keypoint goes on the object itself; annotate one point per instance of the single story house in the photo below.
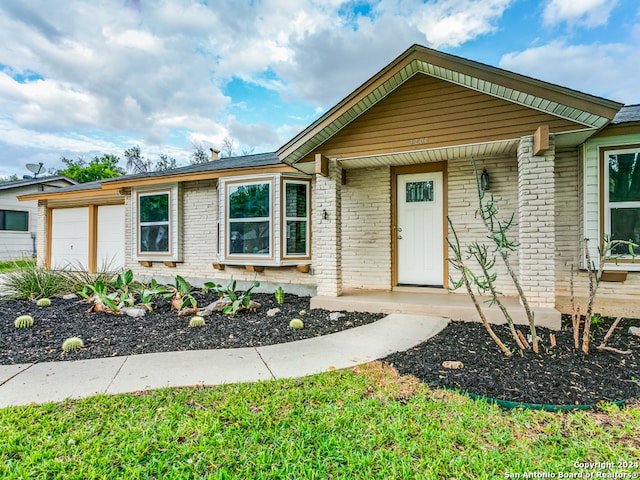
(358, 201)
(18, 220)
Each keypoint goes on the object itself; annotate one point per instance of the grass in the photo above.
(361, 423)
(16, 265)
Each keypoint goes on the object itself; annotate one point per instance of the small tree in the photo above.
(98, 168)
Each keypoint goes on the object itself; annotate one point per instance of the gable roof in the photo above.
(588, 110)
(35, 181)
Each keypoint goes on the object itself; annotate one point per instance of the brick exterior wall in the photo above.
(366, 229)
(463, 204)
(199, 234)
(327, 232)
(536, 223)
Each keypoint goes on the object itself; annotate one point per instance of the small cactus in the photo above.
(302, 313)
(23, 321)
(72, 344)
(196, 321)
(296, 324)
(44, 302)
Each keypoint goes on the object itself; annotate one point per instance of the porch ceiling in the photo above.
(502, 148)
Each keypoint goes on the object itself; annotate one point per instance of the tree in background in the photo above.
(199, 155)
(98, 168)
(10, 178)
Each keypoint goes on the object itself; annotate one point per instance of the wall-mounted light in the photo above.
(484, 180)
(325, 214)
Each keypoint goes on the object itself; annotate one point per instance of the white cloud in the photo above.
(606, 70)
(590, 13)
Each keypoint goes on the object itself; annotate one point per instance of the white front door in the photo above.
(419, 229)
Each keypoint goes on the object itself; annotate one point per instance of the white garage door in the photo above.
(70, 238)
(110, 248)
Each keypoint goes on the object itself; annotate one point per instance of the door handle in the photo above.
(399, 237)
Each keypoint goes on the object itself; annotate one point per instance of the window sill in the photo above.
(301, 266)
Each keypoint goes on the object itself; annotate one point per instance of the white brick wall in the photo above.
(463, 205)
(327, 233)
(366, 229)
(536, 223)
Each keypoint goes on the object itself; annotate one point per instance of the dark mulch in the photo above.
(558, 375)
(108, 335)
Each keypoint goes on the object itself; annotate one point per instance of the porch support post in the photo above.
(327, 231)
(536, 222)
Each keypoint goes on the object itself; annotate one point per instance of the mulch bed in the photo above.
(557, 375)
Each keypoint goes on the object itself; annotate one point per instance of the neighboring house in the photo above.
(18, 220)
(359, 200)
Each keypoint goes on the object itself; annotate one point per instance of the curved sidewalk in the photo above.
(26, 384)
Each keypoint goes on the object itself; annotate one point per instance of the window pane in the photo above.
(249, 201)
(249, 237)
(624, 177)
(14, 221)
(296, 237)
(419, 192)
(296, 200)
(154, 208)
(625, 225)
(154, 238)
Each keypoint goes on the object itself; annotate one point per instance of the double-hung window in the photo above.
(622, 197)
(266, 220)
(154, 223)
(296, 219)
(14, 221)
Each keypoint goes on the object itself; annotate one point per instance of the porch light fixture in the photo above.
(484, 180)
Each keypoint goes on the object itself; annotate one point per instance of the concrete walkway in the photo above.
(26, 384)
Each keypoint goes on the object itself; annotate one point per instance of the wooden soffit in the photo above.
(587, 110)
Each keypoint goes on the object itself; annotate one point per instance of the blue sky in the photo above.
(81, 78)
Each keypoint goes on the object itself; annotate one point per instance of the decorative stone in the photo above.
(253, 305)
(634, 331)
(333, 316)
(70, 296)
(217, 306)
(204, 313)
(452, 364)
(134, 312)
(272, 312)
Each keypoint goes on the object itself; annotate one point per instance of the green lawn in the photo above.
(363, 423)
(15, 265)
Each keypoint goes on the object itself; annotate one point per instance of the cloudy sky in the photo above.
(82, 78)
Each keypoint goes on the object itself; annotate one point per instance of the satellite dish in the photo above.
(35, 168)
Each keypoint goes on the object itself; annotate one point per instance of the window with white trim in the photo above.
(154, 223)
(622, 197)
(14, 221)
(249, 219)
(296, 218)
(265, 220)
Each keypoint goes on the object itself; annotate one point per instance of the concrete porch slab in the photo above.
(455, 306)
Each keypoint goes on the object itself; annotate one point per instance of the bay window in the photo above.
(265, 220)
(622, 197)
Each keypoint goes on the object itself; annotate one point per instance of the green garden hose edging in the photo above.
(530, 406)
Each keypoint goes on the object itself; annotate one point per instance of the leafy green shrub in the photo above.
(279, 294)
(181, 293)
(296, 324)
(196, 321)
(150, 292)
(43, 302)
(32, 282)
(23, 321)
(238, 301)
(99, 293)
(72, 344)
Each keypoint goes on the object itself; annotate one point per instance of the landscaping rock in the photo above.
(253, 306)
(452, 364)
(634, 331)
(204, 313)
(218, 305)
(134, 312)
(70, 296)
(272, 312)
(333, 316)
